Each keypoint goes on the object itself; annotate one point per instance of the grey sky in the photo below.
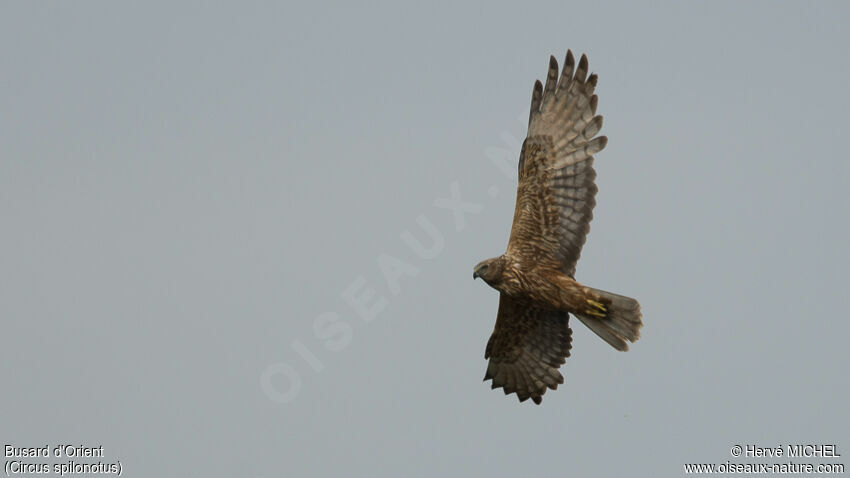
(188, 190)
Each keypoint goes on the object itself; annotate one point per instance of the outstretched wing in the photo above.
(526, 349)
(556, 189)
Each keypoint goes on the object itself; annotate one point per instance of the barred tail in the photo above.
(614, 318)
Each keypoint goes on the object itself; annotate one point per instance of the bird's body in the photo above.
(527, 283)
(535, 275)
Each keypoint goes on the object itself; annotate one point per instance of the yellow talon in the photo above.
(596, 305)
(598, 309)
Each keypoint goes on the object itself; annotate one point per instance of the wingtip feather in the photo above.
(602, 140)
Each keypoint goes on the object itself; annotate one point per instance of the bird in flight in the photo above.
(536, 274)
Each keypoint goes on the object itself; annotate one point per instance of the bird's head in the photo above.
(490, 270)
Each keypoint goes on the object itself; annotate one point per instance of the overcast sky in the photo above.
(198, 200)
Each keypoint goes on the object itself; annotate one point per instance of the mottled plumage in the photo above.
(535, 275)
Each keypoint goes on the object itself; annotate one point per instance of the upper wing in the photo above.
(526, 349)
(556, 189)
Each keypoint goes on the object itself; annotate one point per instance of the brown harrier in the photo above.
(535, 276)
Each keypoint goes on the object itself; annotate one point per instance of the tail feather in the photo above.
(615, 318)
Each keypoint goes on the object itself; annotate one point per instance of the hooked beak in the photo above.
(475, 275)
